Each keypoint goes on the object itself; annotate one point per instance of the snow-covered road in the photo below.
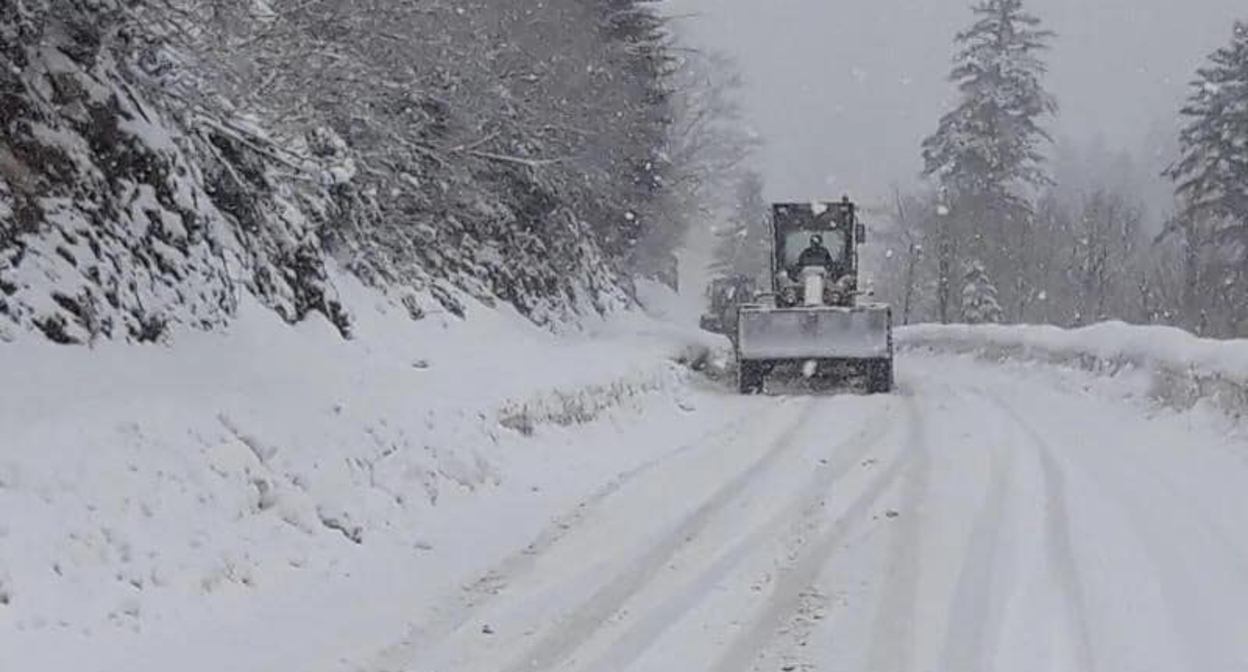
(987, 517)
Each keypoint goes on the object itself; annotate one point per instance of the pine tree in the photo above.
(637, 38)
(742, 245)
(979, 296)
(1212, 172)
(986, 154)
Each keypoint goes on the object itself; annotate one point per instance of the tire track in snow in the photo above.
(801, 517)
(1159, 552)
(893, 627)
(972, 630)
(1060, 543)
(743, 652)
(572, 630)
(1183, 621)
(462, 608)
(1200, 516)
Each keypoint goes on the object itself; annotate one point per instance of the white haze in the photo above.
(844, 91)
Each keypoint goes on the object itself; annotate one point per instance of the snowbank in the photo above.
(1185, 370)
(191, 507)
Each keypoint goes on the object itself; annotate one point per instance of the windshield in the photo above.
(796, 242)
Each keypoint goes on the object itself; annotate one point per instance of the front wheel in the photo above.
(750, 377)
(880, 376)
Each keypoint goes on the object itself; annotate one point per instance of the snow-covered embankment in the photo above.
(272, 497)
(1181, 370)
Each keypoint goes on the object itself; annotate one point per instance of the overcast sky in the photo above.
(844, 91)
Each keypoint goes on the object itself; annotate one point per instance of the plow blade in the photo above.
(815, 333)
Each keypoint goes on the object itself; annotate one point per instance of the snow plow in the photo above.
(812, 324)
(725, 296)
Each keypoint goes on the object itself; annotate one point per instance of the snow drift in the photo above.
(1185, 370)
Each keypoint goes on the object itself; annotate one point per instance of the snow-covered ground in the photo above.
(986, 518)
(484, 496)
(1155, 346)
(280, 499)
(1173, 367)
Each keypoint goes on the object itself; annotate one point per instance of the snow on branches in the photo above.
(180, 152)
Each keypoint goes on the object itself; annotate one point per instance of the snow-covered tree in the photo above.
(1212, 178)
(506, 151)
(706, 148)
(484, 124)
(1102, 248)
(742, 246)
(1212, 173)
(986, 154)
(897, 259)
(639, 66)
(979, 296)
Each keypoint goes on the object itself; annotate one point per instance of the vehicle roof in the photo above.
(828, 216)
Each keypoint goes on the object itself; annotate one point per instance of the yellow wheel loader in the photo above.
(813, 323)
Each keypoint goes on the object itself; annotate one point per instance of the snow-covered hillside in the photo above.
(277, 487)
(115, 221)
(151, 174)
